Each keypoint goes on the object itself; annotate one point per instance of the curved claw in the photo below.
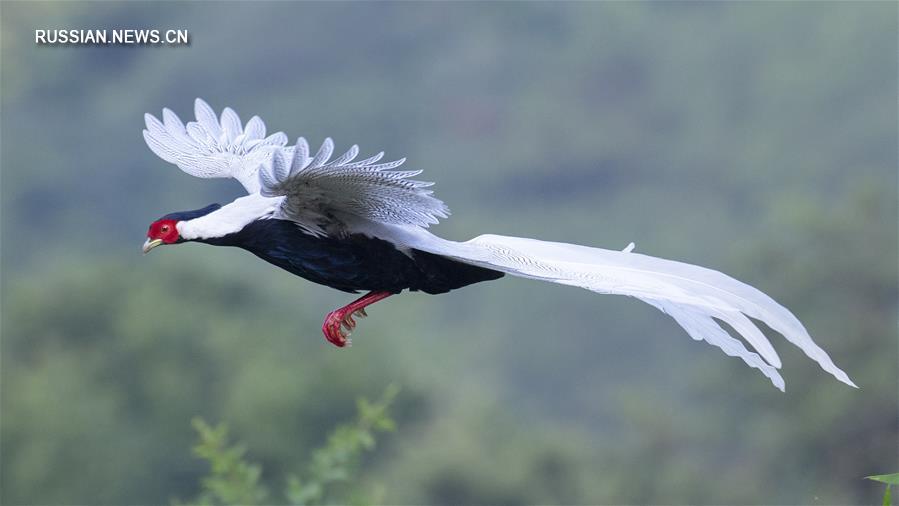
(339, 324)
(337, 328)
(333, 330)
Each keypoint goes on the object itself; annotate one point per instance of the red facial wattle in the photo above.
(164, 230)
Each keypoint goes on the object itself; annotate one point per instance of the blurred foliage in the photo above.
(234, 480)
(758, 138)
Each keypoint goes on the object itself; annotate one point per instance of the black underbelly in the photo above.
(354, 263)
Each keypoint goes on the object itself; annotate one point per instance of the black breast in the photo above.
(352, 263)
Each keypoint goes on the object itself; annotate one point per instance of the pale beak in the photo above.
(148, 245)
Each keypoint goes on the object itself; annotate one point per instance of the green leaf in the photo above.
(889, 479)
(887, 501)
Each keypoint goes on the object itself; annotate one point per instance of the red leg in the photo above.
(333, 326)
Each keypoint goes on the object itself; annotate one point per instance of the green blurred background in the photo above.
(757, 138)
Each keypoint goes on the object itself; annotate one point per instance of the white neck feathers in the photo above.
(229, 218)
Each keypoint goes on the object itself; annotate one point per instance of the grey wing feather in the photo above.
(321, 193)
(211, 146)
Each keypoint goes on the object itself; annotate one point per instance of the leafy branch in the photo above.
(339, 458)
(232, 479)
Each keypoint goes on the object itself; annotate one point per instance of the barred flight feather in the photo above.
(317, 188)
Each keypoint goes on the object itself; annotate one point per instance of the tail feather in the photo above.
(703, 328)
(694, 296)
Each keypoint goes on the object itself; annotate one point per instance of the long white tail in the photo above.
(694, 296)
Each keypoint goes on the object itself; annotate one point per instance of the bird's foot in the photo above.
(339, 324)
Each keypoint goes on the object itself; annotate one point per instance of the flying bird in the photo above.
(361, 226)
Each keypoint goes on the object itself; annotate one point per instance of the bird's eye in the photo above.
(165, 229)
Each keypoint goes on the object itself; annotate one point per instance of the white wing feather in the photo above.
(694, 296)
(321, 195)
(211, 146)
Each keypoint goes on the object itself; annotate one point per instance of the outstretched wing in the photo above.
(213, 146)
(696, 297)
(342, 195)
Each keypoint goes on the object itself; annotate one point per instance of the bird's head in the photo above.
(162, 231)
(166, 230)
